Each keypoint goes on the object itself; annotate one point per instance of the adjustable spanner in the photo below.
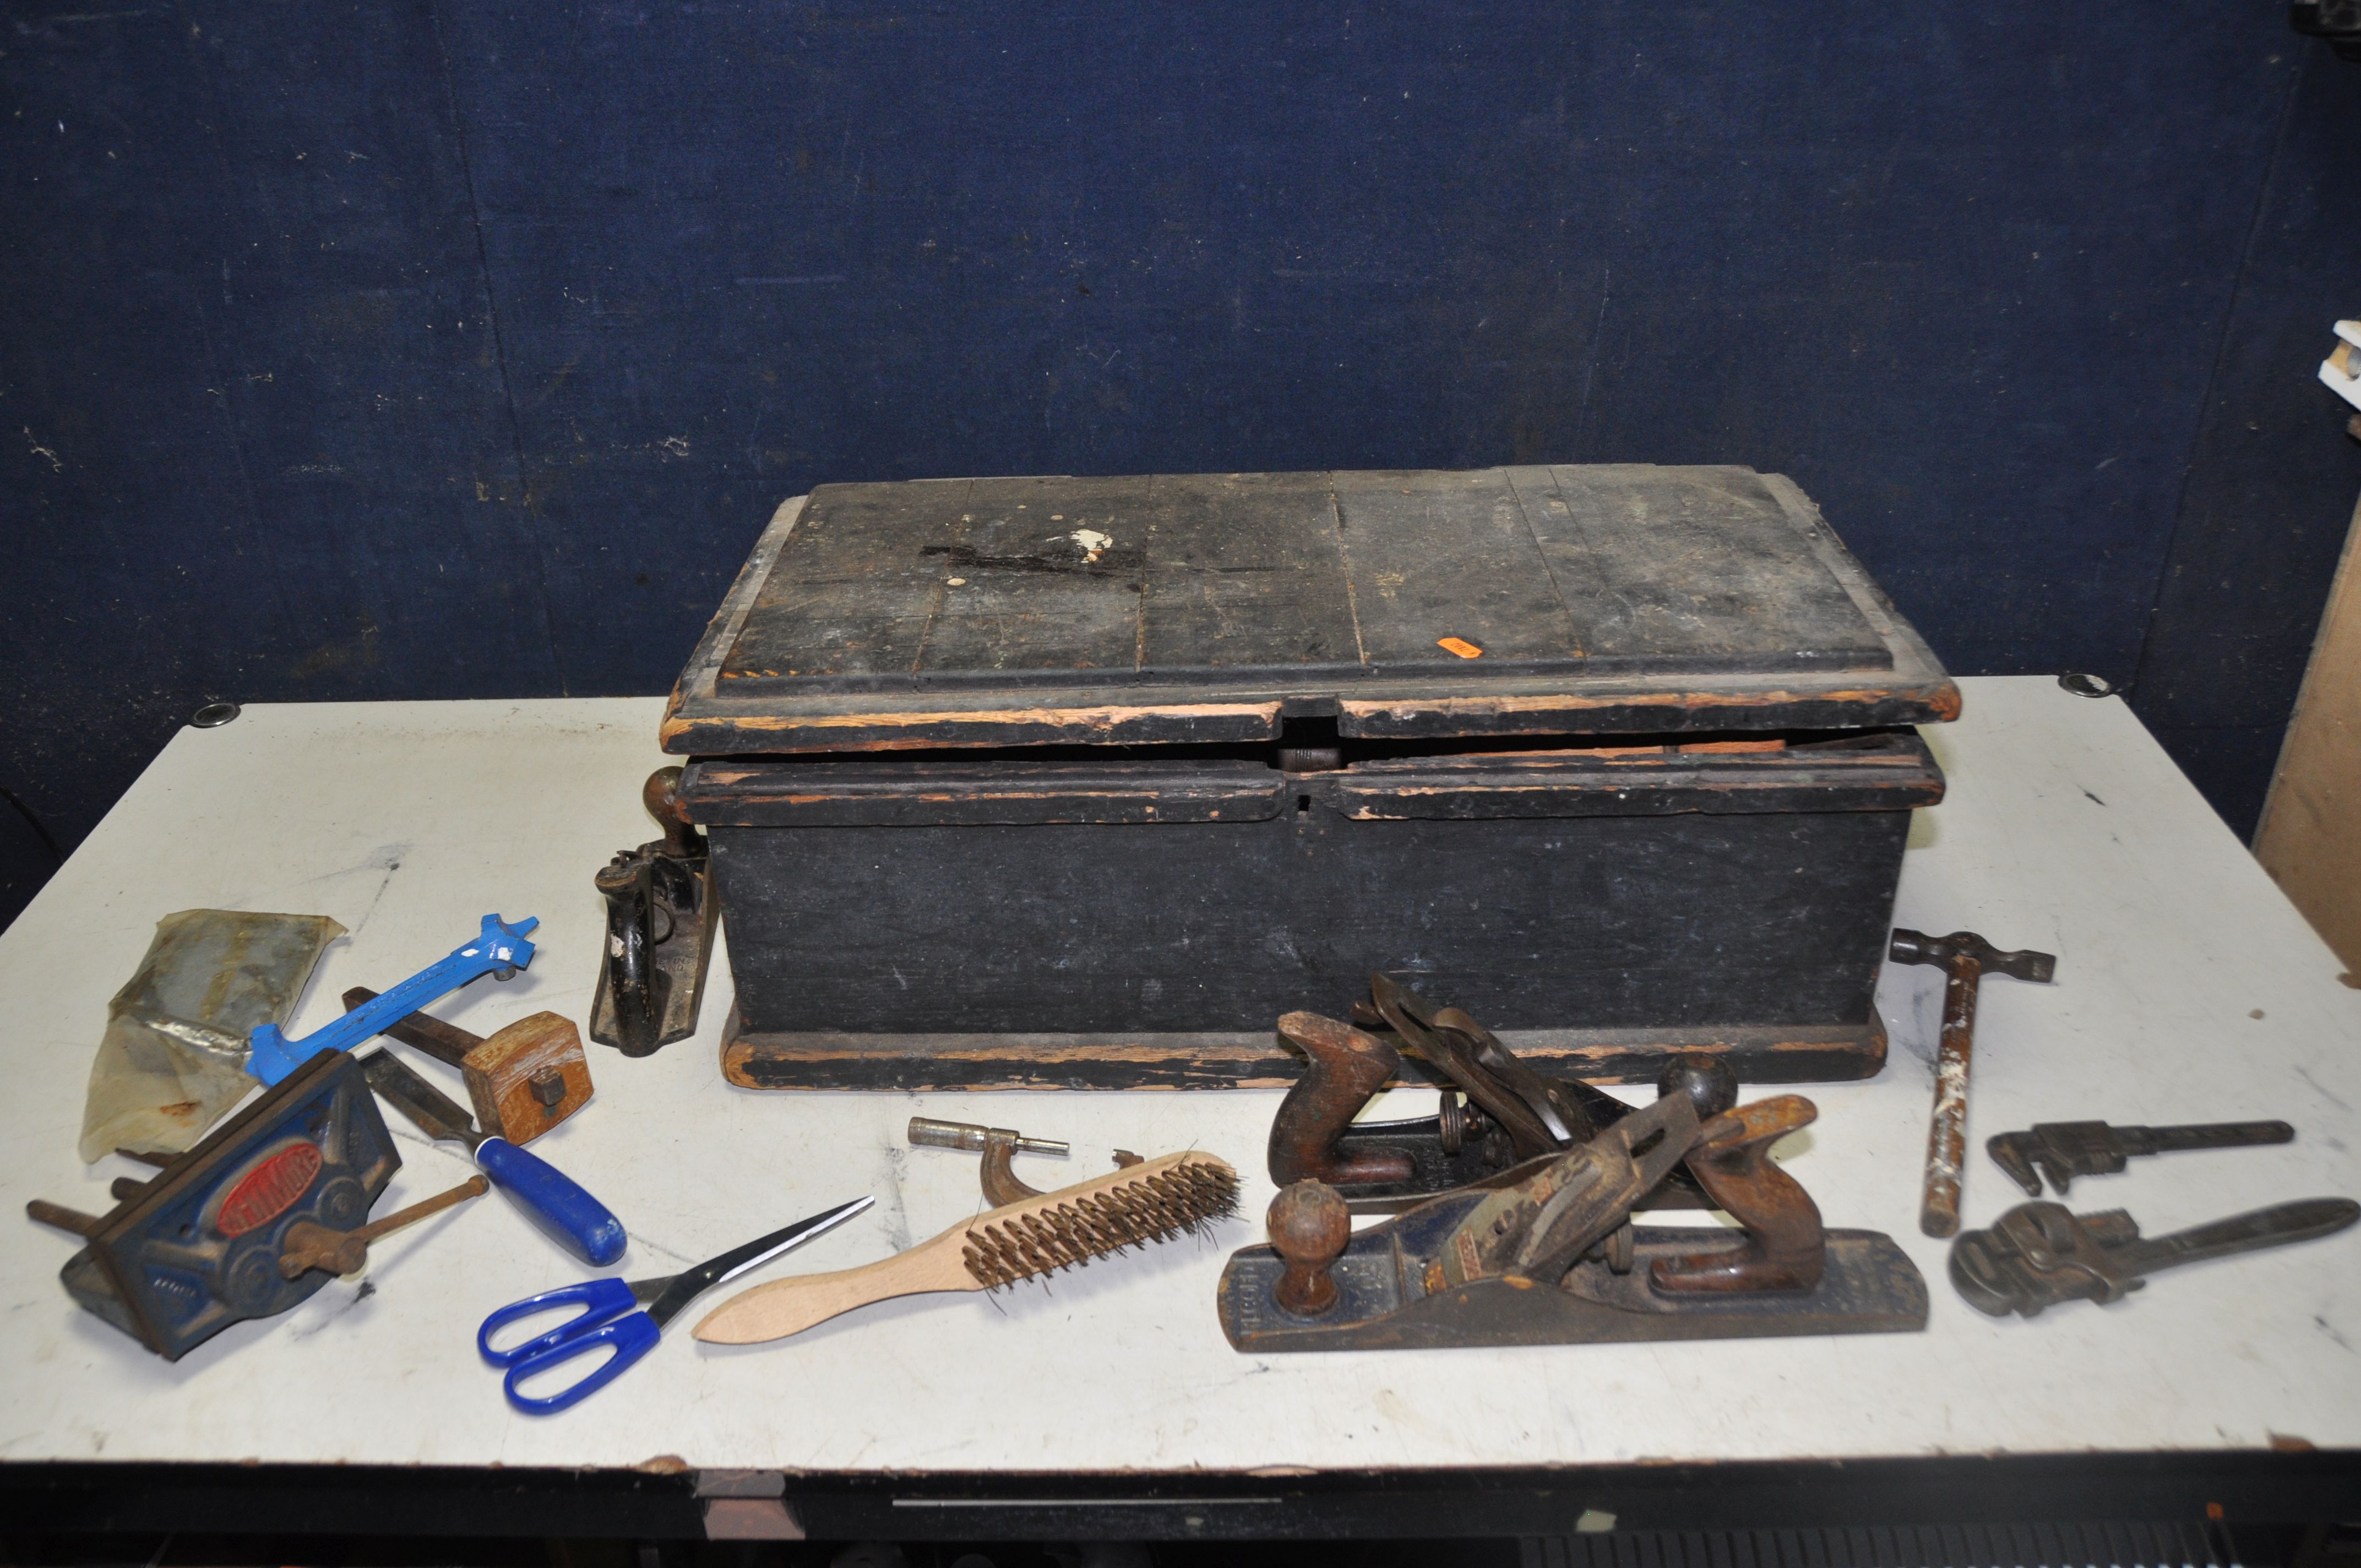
(2038, 1254)
(2064, 1150)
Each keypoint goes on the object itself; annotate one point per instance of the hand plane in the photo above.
(660, 916)
(1556, 1207)
(1496, 1112)
(1546, 1254)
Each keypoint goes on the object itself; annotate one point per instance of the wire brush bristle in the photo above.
(1182, 1198)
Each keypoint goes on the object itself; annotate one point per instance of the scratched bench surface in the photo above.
(2187, 990)
(1239, 592)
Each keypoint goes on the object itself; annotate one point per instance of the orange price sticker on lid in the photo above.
(1461, 646)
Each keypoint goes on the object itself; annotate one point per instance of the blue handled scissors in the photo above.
(608, 1317)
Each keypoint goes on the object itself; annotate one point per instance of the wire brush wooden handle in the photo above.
(786, 1307)
(1149, 1201)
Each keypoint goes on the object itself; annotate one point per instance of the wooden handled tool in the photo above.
(1965, 958)
(523, 1079)
(1151, 1201)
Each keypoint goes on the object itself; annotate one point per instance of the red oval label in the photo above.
(269, 1189)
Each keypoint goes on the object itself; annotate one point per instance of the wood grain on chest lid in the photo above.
(1301, 583)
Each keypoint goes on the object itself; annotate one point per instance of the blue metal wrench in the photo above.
(499, 949)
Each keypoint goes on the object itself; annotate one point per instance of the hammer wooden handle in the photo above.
(1947, 1135)
(1964, 957)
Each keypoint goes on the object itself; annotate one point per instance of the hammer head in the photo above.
(528, 1077)
(1918, 947)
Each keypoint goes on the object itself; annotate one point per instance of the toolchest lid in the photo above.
(1208, 608)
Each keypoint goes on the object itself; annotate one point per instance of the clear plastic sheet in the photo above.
(174, 1058)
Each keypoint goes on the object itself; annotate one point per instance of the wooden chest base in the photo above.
(936, 1062)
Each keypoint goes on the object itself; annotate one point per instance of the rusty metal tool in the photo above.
(2064, 1150)
(575, 1220)
(187, 1253)
(1001, 1185)
(2038, 1254)
(660, 916)
(1476, 1267)
(1383, 1167)
(1309, 1227)
(1345, 1067)
(523, 1079)
(1785, 1248)
(1566, 1203)
(311, 1246)
(1964, 957)
(1537, 1116)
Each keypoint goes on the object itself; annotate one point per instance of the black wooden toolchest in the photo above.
(1082, 782)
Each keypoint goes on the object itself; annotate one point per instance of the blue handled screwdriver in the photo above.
(573, 1219)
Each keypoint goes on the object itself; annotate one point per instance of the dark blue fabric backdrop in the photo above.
(459, 347)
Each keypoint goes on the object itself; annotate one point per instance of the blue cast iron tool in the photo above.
(607, 1317)
(575, 1220)
(500, 949)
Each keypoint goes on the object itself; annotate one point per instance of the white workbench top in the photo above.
(2187, 989)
